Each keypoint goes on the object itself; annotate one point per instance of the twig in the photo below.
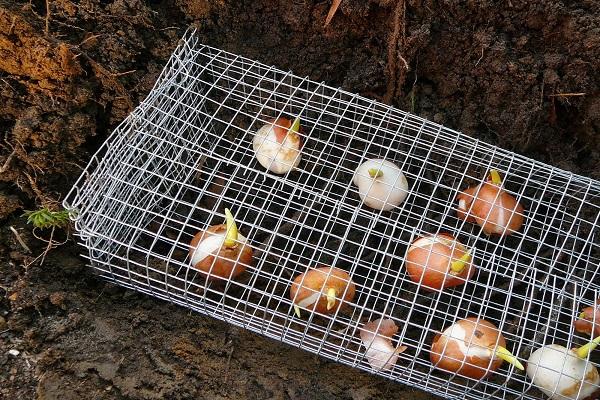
(8, 161)
(23, 157)
(20, 240)
(98, 297)
(230, 353)
(47, 30)
(37, 190)
(51, 245)
(12, 26)
(403, 61)
(124, 73)
(566, 94)
(69, 25)
(9, 85)
(88, 38)
(332, 11)
(480, 58)
(48, 247)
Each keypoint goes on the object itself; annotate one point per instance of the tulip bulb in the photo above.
(589, 320)
(220, 252)
(562, 373)
(322, 289)
(439, 261)
(377, 338)
(277, 145)
(471, 348)
(381, 184)
(491, 207)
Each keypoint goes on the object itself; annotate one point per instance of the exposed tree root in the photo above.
(396, 43)
(332, 11)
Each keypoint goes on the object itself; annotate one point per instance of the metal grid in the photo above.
(170, 169)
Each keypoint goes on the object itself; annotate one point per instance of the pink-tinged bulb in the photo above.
(377, 339)
(277, 147)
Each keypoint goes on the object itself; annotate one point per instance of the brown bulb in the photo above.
(322, 289)
(210, 255)
(439, 261)
(471, 348)
(588, 321)
(491, 207)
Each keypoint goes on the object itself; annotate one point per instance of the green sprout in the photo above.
(44, 218)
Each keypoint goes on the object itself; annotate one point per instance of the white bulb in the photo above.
(277, 154)
(559, 373)
(384, 192)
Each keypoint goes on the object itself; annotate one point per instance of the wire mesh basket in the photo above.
(185, 154)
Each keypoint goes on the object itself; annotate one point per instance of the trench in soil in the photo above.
(191, 156)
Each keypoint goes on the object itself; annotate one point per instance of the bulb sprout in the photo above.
(295, 128)
(507, 356)
(331, 293)
(585, 350)
(459, 265)
(496, 180)
(375, 173)
(232, 232)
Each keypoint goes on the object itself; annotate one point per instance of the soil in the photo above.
(519, 74)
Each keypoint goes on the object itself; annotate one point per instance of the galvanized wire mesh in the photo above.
(185, 154)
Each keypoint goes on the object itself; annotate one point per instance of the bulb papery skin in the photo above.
(276, 147)
(589, 323)
(209, 255)
(560, 374)
(309, 290)
(492, 208)
(468, 348)
(384, 192)
(381, 353)
(429, 258)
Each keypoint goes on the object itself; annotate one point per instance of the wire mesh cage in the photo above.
(186, 153)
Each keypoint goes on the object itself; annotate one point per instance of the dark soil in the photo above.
(523, 75)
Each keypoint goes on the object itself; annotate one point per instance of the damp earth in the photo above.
(522, 75)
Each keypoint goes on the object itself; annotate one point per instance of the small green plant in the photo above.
(44, 218)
